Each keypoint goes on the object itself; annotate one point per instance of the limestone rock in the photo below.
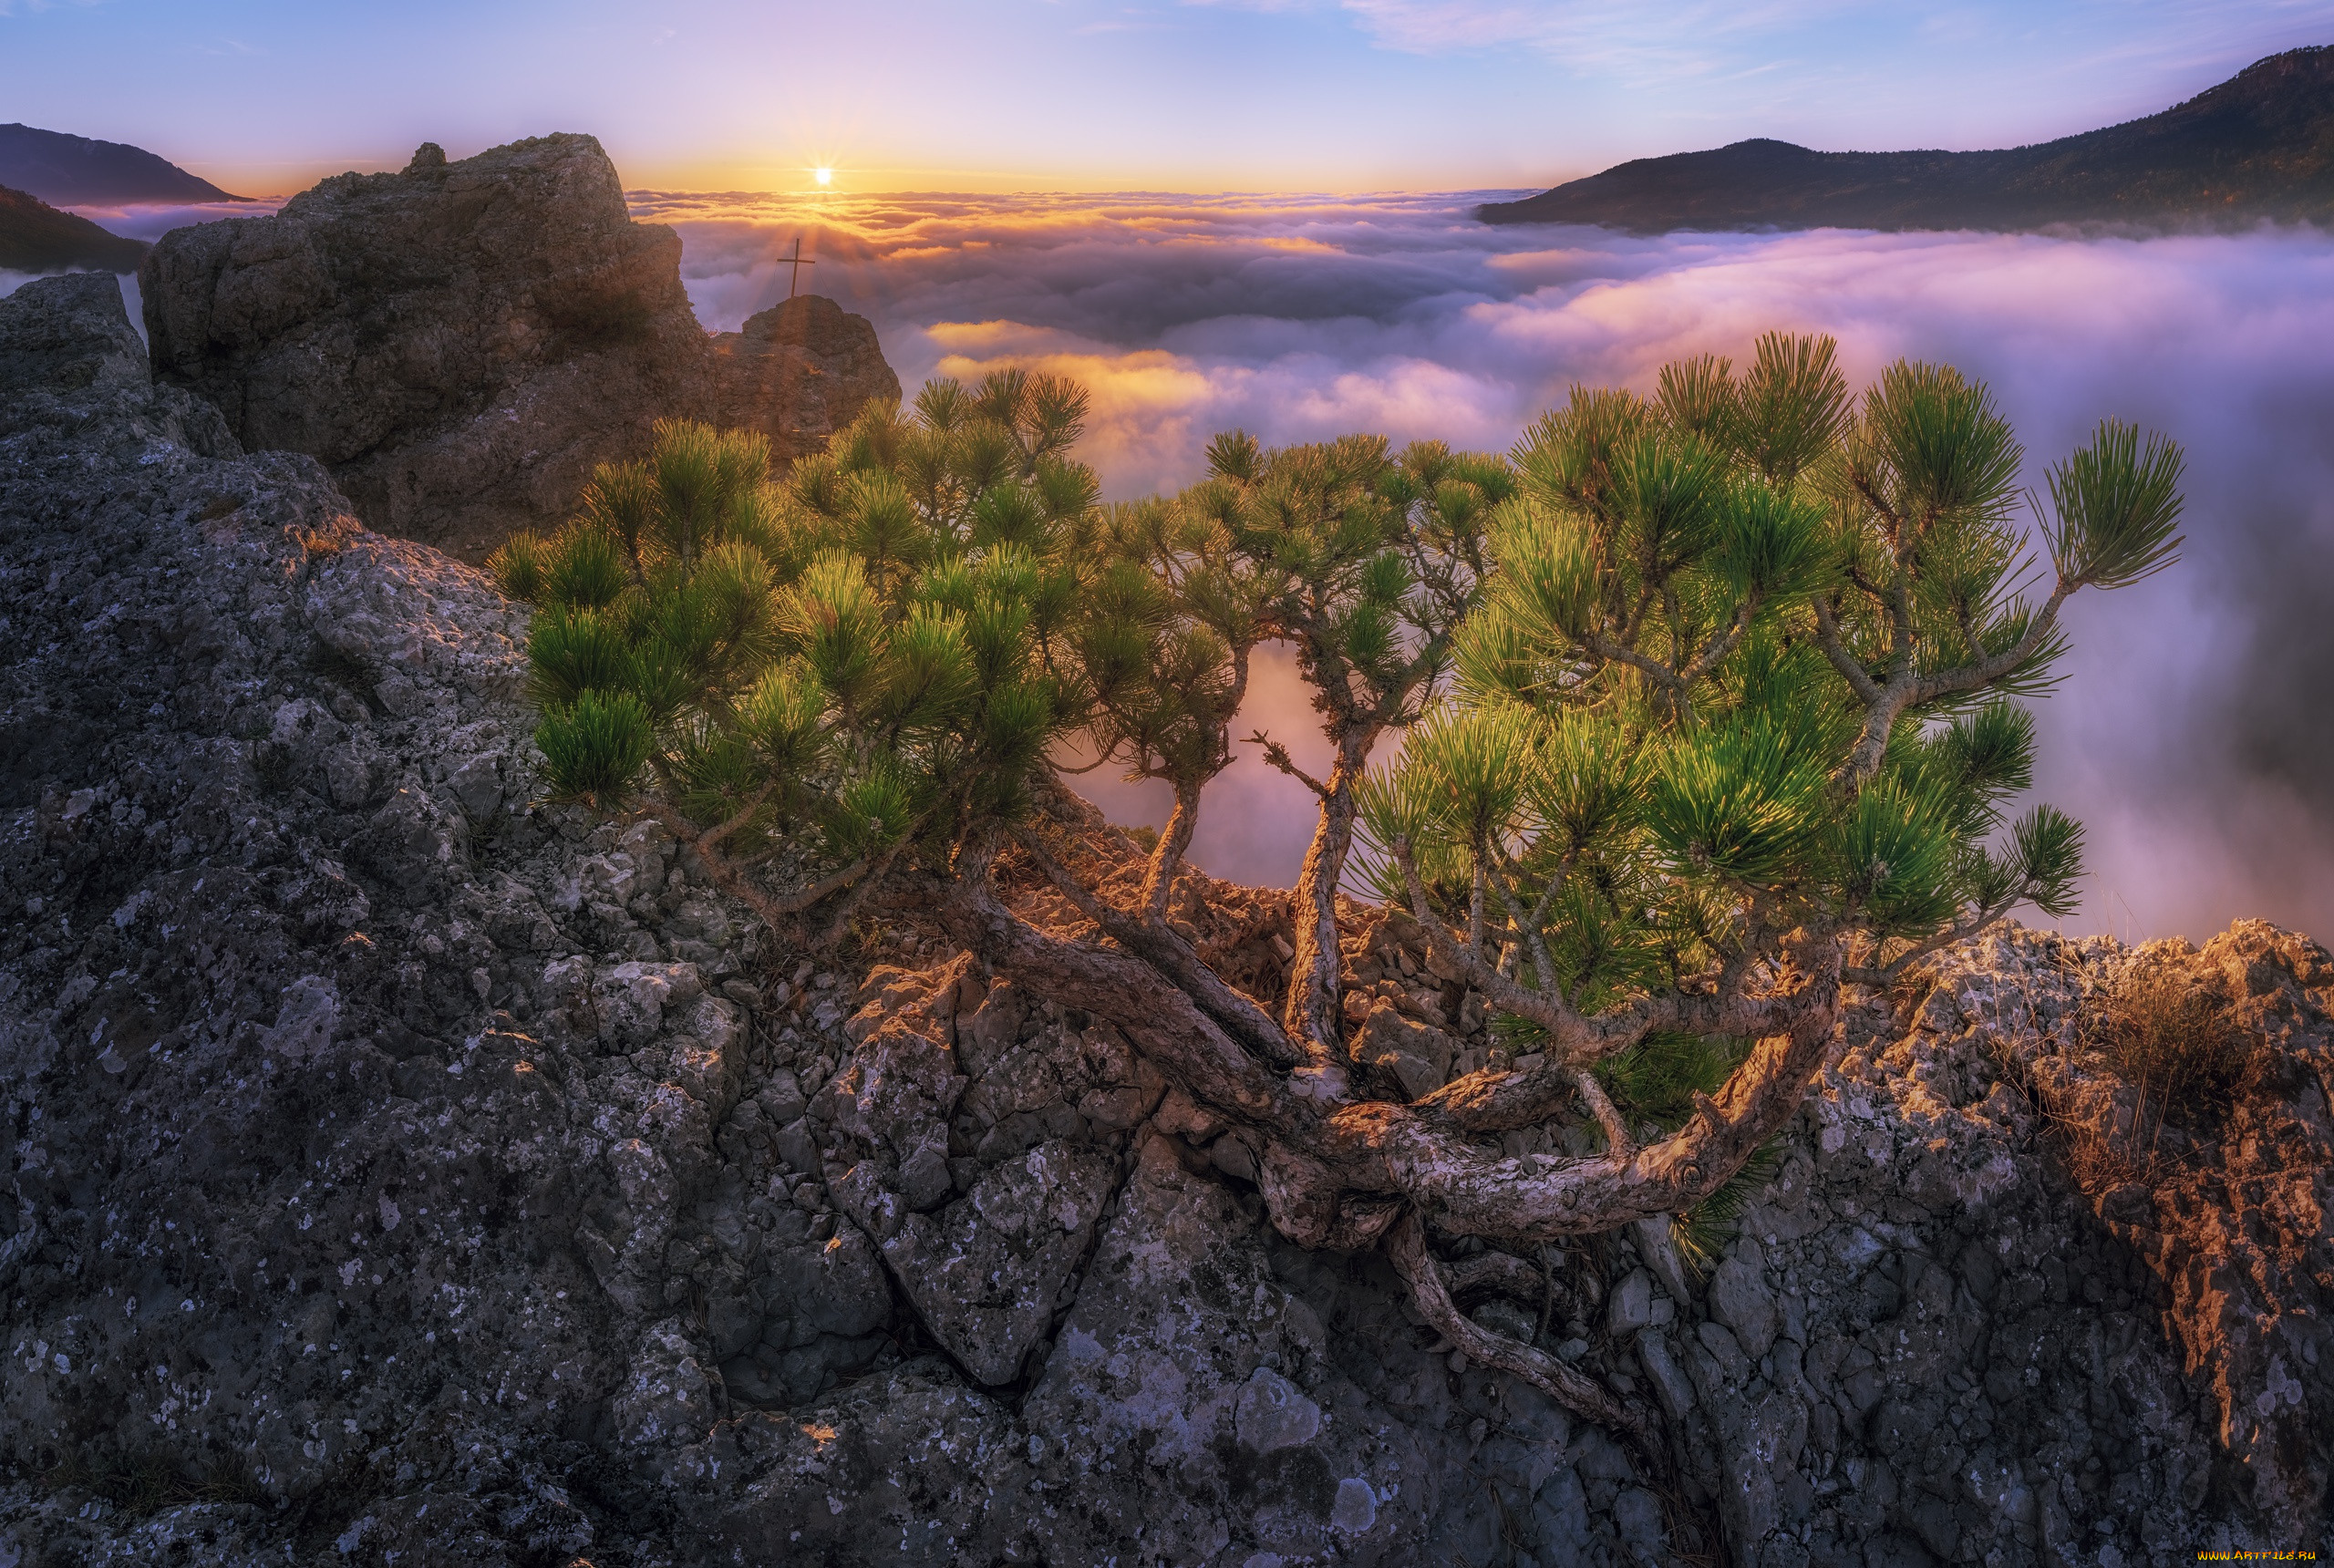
(67, 334)
(1740, 1299)
(1630, 1307)
(1415, 1057)
(906, 1468)
(461, 343)
(984, 1273)
(798, 372)
(814, 1316)
(288, 984)
(1184, 1359)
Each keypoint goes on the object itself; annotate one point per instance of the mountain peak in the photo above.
(2259, 146)
(74, 171)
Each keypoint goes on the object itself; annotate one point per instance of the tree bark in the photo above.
(1329, 1167)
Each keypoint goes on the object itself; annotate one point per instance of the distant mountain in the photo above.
(35, 237)
(72, 170)
(2259, 146)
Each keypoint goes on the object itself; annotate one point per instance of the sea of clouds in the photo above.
(2195, 731)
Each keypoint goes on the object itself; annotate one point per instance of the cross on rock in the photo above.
(798, 264)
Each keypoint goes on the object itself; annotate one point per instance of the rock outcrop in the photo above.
(461, 343)
(399, 1170)
(798, 372)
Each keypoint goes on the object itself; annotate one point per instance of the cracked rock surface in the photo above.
(395, 1170)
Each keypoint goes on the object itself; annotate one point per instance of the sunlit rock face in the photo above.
(397, 1170)
(461, 343)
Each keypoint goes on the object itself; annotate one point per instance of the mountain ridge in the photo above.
(35, 237)
(76, 170)
(2257, 147)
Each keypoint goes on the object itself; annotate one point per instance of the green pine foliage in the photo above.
(1682, 674)
(1698, 602)
(878, 650)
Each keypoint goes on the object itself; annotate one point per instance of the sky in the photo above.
(265, 96)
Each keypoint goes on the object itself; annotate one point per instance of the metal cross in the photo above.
(798, 264)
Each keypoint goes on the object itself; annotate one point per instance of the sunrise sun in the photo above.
(823, 176)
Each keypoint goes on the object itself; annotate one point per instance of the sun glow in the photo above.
(823, 176)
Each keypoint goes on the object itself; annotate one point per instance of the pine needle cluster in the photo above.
(1752, 657)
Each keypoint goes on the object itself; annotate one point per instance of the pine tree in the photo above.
(1692, 710)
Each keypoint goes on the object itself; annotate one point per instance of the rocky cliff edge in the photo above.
(398, 1169)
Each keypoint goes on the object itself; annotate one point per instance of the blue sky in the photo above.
(264, 96)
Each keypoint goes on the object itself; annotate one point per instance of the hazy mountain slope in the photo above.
(75, 170)
(2259, 146)
(35, 237)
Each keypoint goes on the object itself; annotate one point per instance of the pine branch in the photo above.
(1276, 755)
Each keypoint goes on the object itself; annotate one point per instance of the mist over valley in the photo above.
(2189, 734)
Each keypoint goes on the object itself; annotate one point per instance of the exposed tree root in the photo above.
(1576, 1391)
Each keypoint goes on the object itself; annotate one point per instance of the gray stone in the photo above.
(1661, 1255)
(1272, 1414)
(1167, 1386)
(797, 1147)
(991, 1027)
(1504, 1317)
(1720, 1341)
(1416, 1056)
(1670, 1382)
(925, 1179)
(983, 1273)
(1630, 1307)
(1739, 1297)
(70, 335)
(1637, 1513)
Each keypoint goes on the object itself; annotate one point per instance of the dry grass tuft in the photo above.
(2177, 1043)
(148, 1485)
(2178, 1046)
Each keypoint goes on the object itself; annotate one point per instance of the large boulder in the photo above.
(66, 335)
(461, 343)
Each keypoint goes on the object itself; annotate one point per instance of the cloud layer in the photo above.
(2195, 732)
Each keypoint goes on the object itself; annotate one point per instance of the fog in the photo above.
(2193, 734)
